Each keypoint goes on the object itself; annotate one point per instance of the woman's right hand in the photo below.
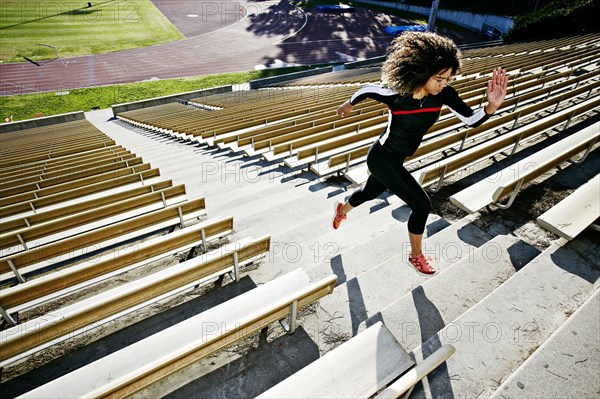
(344, 109)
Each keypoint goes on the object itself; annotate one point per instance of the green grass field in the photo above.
(76, 29)
(46, 104)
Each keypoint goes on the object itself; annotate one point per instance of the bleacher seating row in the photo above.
(132, 368)
(511, 180)
(78, 210)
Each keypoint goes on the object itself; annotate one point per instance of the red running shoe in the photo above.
(421, 265)
(339, 216)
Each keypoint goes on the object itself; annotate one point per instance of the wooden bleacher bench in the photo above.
(55, 154)
(87, 244)
(513, 178)
(47, 183)
(344, 160)
(59, 143)
(264, 134)
(238, 116)
(14, 223)
(315, 111)
(358, 368)
(321, 129)
(576, 212)
(363, 133)
(82, 182)
(36, 334)
(438, 171)
(62, 282)
(148, 361)
(27, 204)
(40, 174)
(63, 162)
(49, 138)
(56, 230)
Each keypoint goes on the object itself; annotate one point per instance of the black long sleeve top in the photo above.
(409, 118)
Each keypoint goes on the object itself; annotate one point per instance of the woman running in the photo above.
(416, 73)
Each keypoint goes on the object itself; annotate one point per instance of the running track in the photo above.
(265, 33)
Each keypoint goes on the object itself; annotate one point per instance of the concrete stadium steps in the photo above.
(444, 242)
(307, 241)
(374, 273)
(230, 188)
(562, 366)
(494, 337)
(426, 309)
(206, 171)
(310, 241)
(248, 199)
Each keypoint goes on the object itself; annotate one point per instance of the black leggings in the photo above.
(388, 172)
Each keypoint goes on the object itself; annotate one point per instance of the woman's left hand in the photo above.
(496, 90)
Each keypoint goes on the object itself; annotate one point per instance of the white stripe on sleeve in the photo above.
(473, 119)
(384, 137)
(375, 89)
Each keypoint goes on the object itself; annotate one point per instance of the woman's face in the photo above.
(437, 82)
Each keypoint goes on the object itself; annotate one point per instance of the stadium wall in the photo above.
(476, 22)
(118, 108)
(258, 83)
(43, 121)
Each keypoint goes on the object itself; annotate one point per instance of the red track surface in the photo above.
(225, 37)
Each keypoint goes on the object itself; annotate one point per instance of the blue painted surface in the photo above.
(394, 29)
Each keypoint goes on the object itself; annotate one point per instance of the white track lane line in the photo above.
(295, 33)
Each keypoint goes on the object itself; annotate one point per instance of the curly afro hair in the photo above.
(414, 57)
